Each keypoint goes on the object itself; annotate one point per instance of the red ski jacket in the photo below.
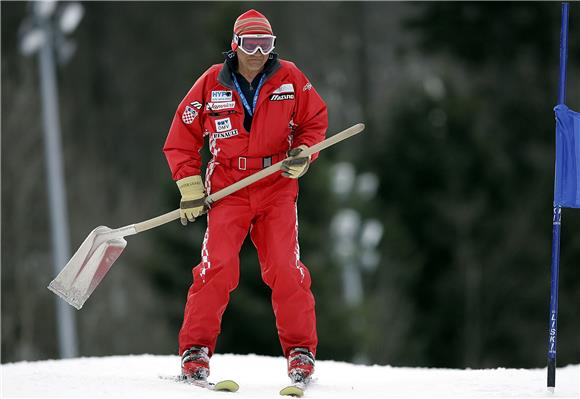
(289, 113)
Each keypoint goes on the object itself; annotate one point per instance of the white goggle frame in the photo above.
(239, 40)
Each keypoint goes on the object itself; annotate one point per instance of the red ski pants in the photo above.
(267, 209)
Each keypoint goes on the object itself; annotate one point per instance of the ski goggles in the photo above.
(250, 44)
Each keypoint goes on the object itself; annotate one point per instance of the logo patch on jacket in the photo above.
(188, 115)
(285, 88)
(220, 106)
(221, 95)
(196, 104)
(225, 135)
(281, 97)
(222, 125)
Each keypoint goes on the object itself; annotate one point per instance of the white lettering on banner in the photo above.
(280, 97)
(307, 86)
(285, 88)
(225, 135)
(222, 125)
(221, 95)
(220, 106)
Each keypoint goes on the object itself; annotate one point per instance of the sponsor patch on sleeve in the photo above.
(221, 95)
(284, 88)
(196, 104)
(189, 115)
(221, 125)
(307, 86)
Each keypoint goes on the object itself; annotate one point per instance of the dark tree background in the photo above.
(457, 99)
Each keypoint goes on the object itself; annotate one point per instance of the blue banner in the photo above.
(567, 180)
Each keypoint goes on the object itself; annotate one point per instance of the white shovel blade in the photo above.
(83, 273)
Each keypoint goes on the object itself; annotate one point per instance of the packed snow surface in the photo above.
(263, 377)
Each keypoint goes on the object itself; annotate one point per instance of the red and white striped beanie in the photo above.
(251, 22)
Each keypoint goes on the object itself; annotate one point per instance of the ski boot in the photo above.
(195, 363)
(300, 365)
(300, 369)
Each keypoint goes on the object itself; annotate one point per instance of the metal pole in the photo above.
(67, 338)
(553, 321)
(557, 218)
(563, 52)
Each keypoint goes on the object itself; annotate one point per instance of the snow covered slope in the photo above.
(262, 377)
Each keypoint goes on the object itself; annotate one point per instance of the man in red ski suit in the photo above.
(255, 110)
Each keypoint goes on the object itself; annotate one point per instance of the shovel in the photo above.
(89, 265)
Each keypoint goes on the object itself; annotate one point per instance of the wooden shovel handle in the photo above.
(173, 215)
(351, 131)
(157, 221)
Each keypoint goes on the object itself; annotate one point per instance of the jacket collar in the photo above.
(231, 65)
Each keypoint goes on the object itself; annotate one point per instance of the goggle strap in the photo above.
(238, 39)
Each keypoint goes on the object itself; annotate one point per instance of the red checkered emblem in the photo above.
(188, 115)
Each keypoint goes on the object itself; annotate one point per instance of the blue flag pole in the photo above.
(557, 218)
